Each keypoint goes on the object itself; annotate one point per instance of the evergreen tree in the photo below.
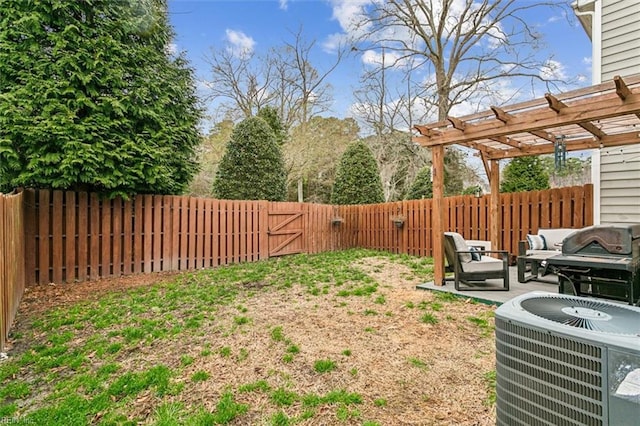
(455, 170)
(357, 179)
(270, 115)
(92, 99)
(422, 187)
(252, 167)
(524, 174)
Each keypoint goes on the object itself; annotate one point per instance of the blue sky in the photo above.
(261, 24)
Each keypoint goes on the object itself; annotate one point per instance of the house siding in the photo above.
(620, 38)
(619, 174)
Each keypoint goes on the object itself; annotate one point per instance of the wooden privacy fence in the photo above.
(12, 270)
(405, 226)
(76, 236)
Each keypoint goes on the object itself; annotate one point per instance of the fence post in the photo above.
(263, 230)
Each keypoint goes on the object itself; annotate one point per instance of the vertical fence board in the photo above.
(5, 283)
(192, 227)
(83, 236)
(94, 240)
(175, 233)
(57, 230)
(44, 235)
(207, 233)
(29, 210)
(127, 237)
(12, 262)
(147, 234)
(116, 229)
(197, 233)
(167, 233)
(106, 238)
(70, 260)
(157, 231)
(184, 233)
(138, 234)
(556, 214)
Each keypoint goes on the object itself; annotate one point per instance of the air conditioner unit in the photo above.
(567, 360)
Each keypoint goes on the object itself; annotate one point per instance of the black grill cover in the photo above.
(604, 240)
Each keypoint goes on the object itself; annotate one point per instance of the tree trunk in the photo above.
(300, 191)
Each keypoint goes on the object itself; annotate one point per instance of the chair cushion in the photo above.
(536, 242)
(461, 245)
(485, 264)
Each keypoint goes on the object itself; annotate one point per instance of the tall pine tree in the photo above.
(357, 179)
(92, 98)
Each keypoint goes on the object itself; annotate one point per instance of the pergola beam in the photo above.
(557, 105)
(622, 90)
(620, 139)
(593, 109)
(504, 116)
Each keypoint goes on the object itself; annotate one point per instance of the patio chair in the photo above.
(472, 266)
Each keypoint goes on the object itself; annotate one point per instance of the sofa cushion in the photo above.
(554, 237)
(461, 245)
(542, 254)
(536, 242)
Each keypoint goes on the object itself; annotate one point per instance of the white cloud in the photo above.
(240, 44)
(284, 4)
(349, 14)
(553, 70)
(556, 18)
(390, 59)
(333, 42)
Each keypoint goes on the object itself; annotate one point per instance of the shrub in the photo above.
(252, 167)
(422, 187)
(357, 179)
(524, 174)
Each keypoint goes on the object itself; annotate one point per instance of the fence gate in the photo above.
(286, 222)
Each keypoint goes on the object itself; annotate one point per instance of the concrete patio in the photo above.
(548, 283)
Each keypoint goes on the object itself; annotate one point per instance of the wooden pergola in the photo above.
(596, 117)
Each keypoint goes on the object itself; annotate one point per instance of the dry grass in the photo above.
(405, 356)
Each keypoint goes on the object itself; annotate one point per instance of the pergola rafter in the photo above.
(599, 116)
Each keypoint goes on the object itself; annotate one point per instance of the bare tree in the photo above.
(302, 93)
(307, 91)
(242, 82)
(384, 108)
(466, 46)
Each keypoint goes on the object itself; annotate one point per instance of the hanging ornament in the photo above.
(560, 153)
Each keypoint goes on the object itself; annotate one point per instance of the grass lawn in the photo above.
(338, 338)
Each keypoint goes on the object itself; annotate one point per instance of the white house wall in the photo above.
(620, 38)
(620, 184)
(618, 177)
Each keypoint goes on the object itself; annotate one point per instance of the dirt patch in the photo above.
(414, 359)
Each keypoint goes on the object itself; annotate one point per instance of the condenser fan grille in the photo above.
(585, 313)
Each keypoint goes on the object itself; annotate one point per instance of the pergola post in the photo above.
(494, 205)
(437, 230)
